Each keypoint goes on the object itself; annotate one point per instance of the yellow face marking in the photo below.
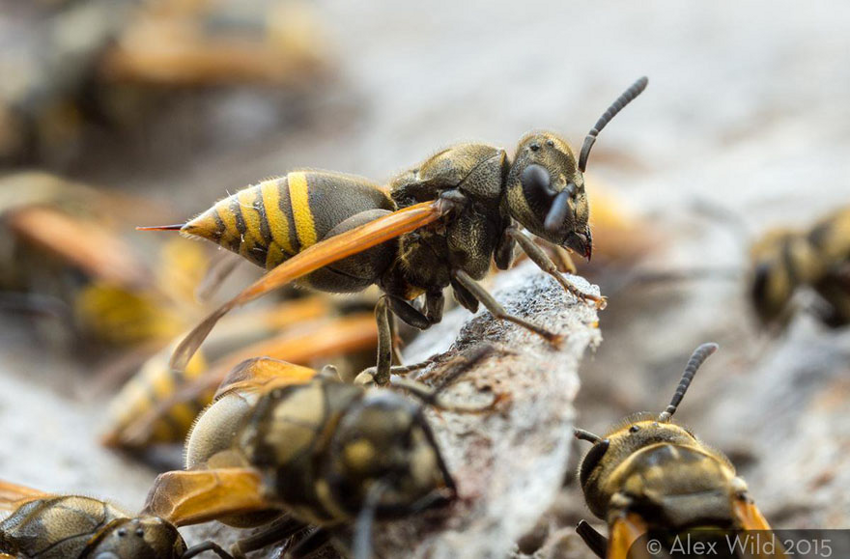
(278, 224)
(299, 196)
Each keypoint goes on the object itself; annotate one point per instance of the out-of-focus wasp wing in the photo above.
(195, 496)
(13, 496)
(625, 531)
(261, 373)
(749, 518)
(317, 256)
(338, 336)
(94, 250)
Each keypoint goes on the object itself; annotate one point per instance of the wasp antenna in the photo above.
(583, 435)
(627, 97)
(161, 228)
(699, 356)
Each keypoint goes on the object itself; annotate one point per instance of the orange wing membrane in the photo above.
(311, 259)
(260, 373)
(624, 533)
(193, 497)
(750, 519)
(12, 496)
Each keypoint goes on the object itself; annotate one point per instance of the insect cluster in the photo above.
(316, 455)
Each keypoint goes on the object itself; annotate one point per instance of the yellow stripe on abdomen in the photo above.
(278, 224)
(299, 197)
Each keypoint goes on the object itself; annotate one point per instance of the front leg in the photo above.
(536, 254)
(480, 294)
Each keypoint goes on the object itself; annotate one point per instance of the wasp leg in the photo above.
(408, 313)
(385, 342)
(560, 256)
(311, 545)
(277, 531)
(435, 302)
(536, 254)
(498, 311)
(367, 376)
(597, 543)
(206, 546)
(431, 396)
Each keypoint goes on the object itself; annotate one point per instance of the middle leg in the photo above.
(480, 294)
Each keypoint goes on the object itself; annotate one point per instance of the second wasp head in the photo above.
(545, 192)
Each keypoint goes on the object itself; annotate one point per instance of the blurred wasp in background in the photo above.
(76, 527)
(284, 447)
(782, 264)
(86, 66)
(439, 224)
(159, 405)
(651, 477)
(784, 261)
(65, 248)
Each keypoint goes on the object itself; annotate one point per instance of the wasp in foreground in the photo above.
(650, 476)
(45, 526)
(438, 224)
(786, 260)
(283, 447)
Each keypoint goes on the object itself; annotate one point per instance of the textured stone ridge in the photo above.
(509, 463)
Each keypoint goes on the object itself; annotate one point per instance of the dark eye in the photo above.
(550, 143)
(634, 429)
(591, 461)
(534, 147)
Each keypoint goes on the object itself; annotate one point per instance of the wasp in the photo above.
(649, 475)
(786, 260)
(159, 405)
(51, 526)
(283, 447)
(438, 224)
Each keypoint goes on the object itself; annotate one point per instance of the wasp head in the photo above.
(148, 536)
(545, 192)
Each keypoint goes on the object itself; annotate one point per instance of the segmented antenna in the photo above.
(697, 359)
(583, 435)
(627, 97)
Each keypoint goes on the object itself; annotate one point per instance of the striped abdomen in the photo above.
(276, 219)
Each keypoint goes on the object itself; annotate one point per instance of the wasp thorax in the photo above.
(545, 192)
(140, 537)
(384, 440)
(782, 260)
(601, 471)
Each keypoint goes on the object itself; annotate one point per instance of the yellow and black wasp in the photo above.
(786, 260)
(283, 447)
(439, 224)
(651, 477)
(50, 526)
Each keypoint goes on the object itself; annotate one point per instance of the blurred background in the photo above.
(118, 113)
